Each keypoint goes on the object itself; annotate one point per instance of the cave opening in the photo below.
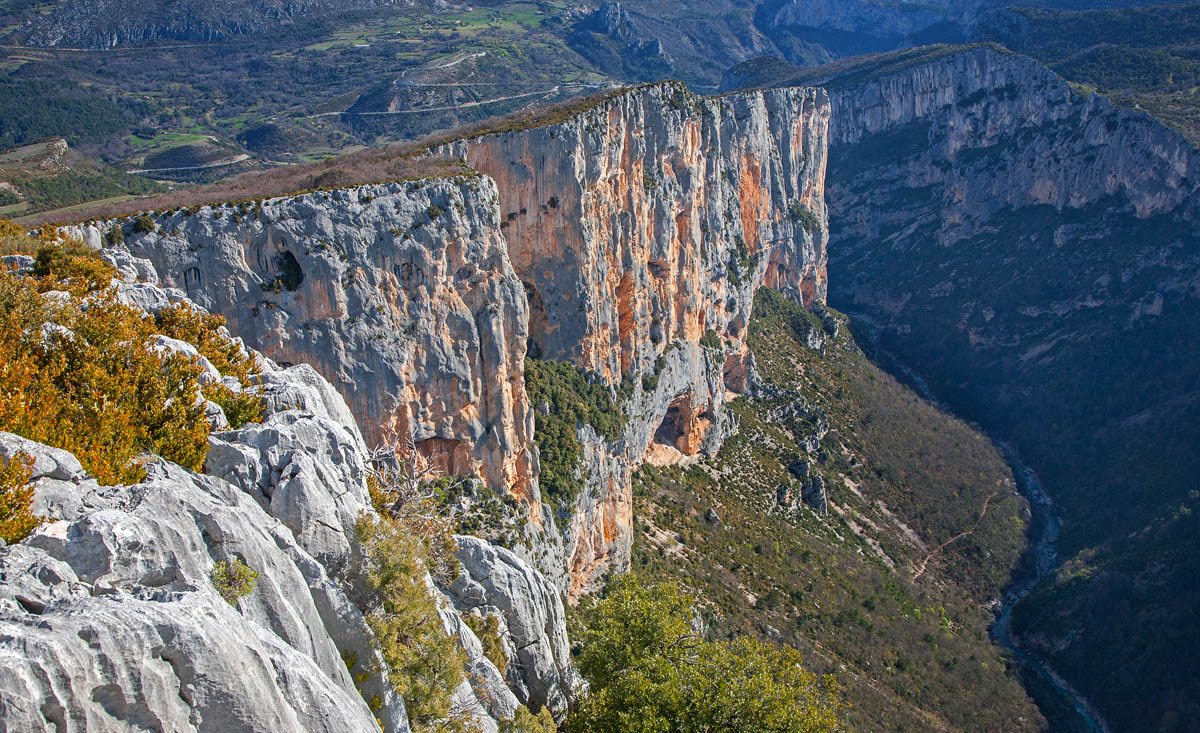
(685, 425)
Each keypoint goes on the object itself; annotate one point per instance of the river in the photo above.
(1067, 708)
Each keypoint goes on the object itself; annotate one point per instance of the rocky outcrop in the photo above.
(495, 581)
(1016, 133)
(610, 40)
(640, 225)
(400, 294)
(109, 618)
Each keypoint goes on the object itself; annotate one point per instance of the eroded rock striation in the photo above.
(616, 238)
(109, 618)
(638, 227)
(400, 294)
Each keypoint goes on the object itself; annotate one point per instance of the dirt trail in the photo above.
(955, 538)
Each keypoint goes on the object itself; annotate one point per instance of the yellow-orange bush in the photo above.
(203, 330)
(16, 499)
(80, 375)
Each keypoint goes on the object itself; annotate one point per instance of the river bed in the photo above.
(1042, 560)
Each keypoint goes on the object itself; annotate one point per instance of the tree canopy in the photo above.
(650, 671)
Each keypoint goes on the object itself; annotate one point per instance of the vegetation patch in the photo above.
(901, 479)
(17, 519)
(407, 542)
(33, 110)
(1141, 57)
(233, 580)
(645, 662)
(487, 629)
(565, 398)
(80, 373)
(803, 216)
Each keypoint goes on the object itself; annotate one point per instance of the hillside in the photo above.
(334, 77)
(1140, 57)
(51, 175)
(853, 520)
(129, 22)
(1028, 251)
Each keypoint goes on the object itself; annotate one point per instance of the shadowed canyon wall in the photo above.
(1032, 252)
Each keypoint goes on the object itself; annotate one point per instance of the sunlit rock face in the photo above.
(617, 239)
(400, 294)
(637, 227)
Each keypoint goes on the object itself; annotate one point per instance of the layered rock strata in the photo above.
(109, 619)
(616, 239)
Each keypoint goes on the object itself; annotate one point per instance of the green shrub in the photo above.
(95, 388)
(143, 224)
(203, 330)
(17, 519)
(524, 721)
(648, 670)
(804, 217)
(424, 664)
(233, 580)
(487, 629)
(70, 266)
(82, 376)
(572, 400)
(710, 340)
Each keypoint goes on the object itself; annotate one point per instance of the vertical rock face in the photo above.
(637, 227)
(616, 239)
(646, 218)
(999, 131)
(400, 294)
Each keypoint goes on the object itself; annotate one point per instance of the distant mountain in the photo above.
(111, 23)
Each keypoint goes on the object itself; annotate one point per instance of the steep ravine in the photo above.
(1032, 253)
(1043, 551)
(1063, 704)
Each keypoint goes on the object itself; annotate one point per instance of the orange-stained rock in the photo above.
(640, 225)
(407, 304)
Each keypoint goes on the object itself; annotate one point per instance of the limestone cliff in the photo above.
(640, 225)
(109, 620)
(615, 238)
(400, 294)
(654, 215)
